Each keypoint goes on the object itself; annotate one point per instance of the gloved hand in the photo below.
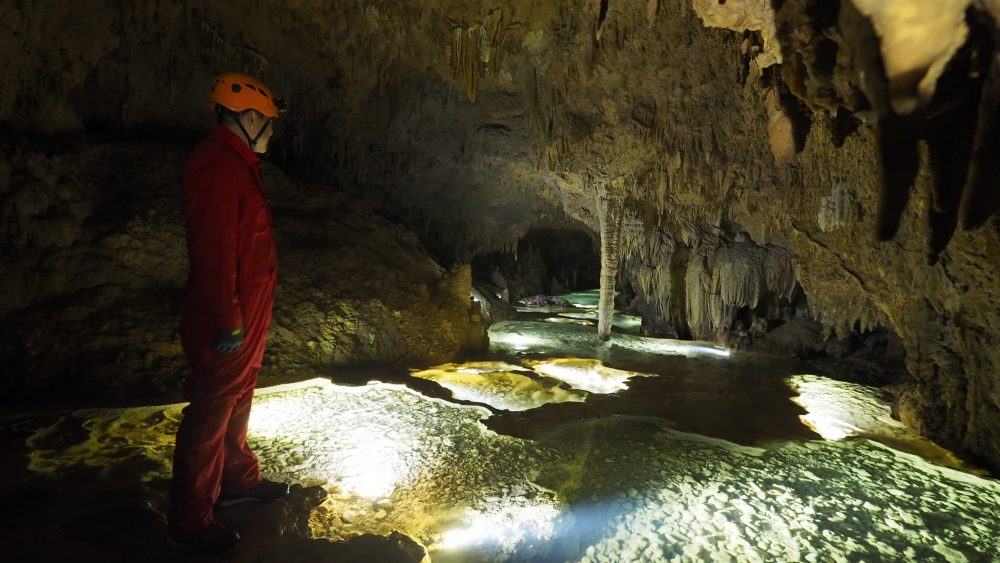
(228, 341)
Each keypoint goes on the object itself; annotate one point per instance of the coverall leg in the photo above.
(240, 471)
(212, 450)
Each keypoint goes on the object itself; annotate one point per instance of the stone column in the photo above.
(610, 210)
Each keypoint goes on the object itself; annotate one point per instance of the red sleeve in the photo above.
(212, 221)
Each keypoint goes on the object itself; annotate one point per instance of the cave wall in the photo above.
(546, 261)
(368, 83)
(472, 121)
(94, 262)
(693, 144)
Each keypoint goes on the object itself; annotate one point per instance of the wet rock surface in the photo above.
(95, 261)
(385, 473)
(543, 301)
(637, 449)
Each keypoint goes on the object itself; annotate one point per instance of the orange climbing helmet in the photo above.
(240, 92)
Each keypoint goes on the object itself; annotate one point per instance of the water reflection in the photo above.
(639, 449)
(500, 385)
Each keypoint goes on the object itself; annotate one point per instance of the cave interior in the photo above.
(549, 201)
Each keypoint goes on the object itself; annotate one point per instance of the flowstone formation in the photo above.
(754, 167)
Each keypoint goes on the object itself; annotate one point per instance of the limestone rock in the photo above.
(838, 209)
(740, 16)
(919, 38)
(92, 308)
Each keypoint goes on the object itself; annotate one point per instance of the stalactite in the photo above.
(471, 62)
(719, 282)
(697, 296)
(738, 276)
(474, 50)
(779, 273)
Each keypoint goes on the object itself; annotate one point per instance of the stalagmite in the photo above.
(610, 207)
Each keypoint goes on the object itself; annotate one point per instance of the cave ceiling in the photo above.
(476, 120)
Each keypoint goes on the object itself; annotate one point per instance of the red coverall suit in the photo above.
(231, 284)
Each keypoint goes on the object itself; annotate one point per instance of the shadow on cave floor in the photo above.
(551, 446)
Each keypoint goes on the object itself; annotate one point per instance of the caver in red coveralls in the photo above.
(231, 285)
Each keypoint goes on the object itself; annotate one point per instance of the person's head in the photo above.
(247, 107)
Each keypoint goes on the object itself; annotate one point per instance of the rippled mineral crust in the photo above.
(395, 463)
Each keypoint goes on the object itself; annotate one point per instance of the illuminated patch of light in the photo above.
(671, 347)
(628, 322)
(838, 409)
(372, 464)
(677, 496)
(374, 470)
(501, 528)
(647, 492)
(516, 341)
(581, 316)
(584, 374)
(395, 460)
(545, 309)
(479, 367)
(563, 320)
(498, 384)
(541, 337)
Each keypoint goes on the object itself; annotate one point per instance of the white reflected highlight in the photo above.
(654, 493)
(620, 320)
(373, 470)
(585, 299)
(671, 347)
(501, 528)
(498, 384)
(372, 460)
(563, 320)
(838, 409)
(516, 341)
(587, 375)
(570, 339)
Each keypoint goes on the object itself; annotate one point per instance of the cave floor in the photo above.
(551, 447)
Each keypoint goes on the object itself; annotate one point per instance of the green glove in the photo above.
(228, 341)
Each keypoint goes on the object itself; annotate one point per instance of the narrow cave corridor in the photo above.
(572, 280)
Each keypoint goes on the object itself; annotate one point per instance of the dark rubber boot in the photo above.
(214, 538)
(264, 491)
